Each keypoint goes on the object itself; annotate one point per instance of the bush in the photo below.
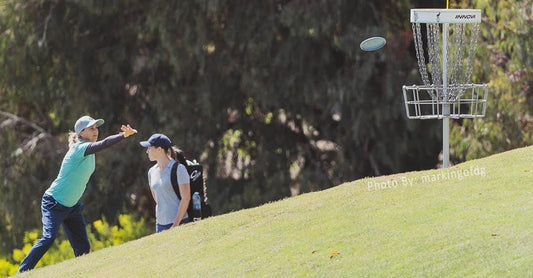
(101, 235)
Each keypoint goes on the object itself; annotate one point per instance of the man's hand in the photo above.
(128, 131)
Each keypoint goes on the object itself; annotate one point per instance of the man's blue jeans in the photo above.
(55, 214)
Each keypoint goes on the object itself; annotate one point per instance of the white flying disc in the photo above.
(373, 43)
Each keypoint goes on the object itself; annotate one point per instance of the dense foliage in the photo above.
(101, 235)
(505, 60)
(274, 98)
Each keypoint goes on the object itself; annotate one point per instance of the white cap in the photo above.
(85, 122)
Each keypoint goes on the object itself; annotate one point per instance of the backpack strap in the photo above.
(174, 179)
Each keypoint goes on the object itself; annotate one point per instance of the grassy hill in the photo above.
(474, 219)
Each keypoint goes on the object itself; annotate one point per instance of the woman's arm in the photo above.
(110, 140)
(153, 194)
(185, 192)
(102, 144)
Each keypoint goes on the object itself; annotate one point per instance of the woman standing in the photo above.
(170, 211)
(60, 203)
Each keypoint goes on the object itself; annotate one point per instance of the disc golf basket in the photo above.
(451, 38)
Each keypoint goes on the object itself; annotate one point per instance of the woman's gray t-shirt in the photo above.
(167, 202)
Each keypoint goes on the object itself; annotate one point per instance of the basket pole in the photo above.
(446, 105)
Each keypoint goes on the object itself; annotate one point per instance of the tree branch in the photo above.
(24, 121)
(42, 41)
(31, 140)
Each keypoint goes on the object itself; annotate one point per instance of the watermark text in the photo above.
(435, 176)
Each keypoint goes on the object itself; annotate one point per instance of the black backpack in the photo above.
(197, 185)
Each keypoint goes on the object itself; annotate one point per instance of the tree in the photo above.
(506, 39)
(273, 97)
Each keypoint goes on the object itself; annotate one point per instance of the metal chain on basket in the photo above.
(419, 47)
(473, 43)
(455, 59)
(434, 42)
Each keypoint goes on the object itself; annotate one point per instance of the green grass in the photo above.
(473, 226)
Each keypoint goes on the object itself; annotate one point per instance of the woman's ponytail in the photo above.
(73, 138)
(172, 153)
(177, 155)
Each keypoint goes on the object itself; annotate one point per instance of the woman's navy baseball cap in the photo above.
(157, 140)
(85, 122)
